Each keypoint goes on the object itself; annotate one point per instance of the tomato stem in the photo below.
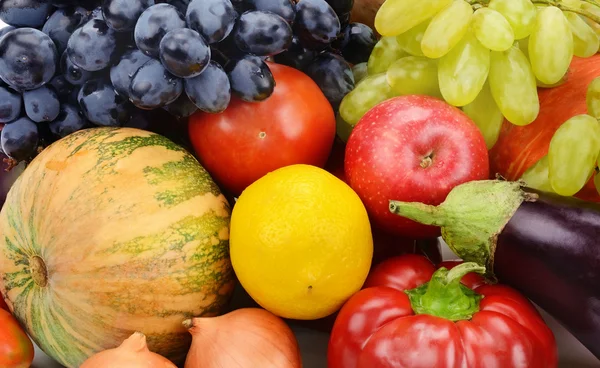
(444, 296)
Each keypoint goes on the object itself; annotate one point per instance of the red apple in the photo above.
(415, 149)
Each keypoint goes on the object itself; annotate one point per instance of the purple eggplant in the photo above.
(544, 245)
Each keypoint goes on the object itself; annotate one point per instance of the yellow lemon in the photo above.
(300, 242)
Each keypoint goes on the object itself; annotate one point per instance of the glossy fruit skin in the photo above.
(519, 148)
(184, 53)
(284, 8)
(262, 33)
(211, 90)
(506, 322)
(341, 7)
(93, 46)
(296, 55)
(430, 148)
(316, 23)
(20, 139)
(25, 13)
(42, 104)
(62, 23)
(122, 72)
(72, 73)
(181, 108)
(213, 19)
(333, 75)
(10, 105)
(277, 132)
(357, 43)
(69, 120)
(152, 86)
(16, 349)
(101, 105)
(181, 203)
(250, 78)
(154, 23)
(28, 58)
(122, 15)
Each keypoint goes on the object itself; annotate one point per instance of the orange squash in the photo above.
(518, 148)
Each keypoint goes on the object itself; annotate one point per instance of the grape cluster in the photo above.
(66, 65)
(574, 152)
(487, 57)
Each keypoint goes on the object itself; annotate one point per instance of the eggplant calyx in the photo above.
(471, 217)
(444, 296)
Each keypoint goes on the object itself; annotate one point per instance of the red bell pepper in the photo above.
(412, 315)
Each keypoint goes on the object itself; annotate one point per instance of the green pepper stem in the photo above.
(444, 296)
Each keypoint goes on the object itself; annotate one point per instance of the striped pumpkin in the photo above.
(110, 231)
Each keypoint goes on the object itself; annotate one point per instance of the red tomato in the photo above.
(378, 326)
(16, 349)
(3, 303)
(296, 125)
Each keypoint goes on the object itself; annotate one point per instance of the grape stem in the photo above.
(562, 7)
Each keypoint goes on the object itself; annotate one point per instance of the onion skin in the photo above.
(245, 338)
(132, 353)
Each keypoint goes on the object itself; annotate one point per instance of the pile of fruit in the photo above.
(165, 152)
(69, 65)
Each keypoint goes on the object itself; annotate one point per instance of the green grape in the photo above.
(536, 177)
(360, 72)
(573, 153)
(463, 71)
(524, 46)
(592, 98)
(520, 14)
(386, 51)
(414, 75)
(342, 128)
(562, 80)
(492, 29)
(550, 45)
(486, 115)
(571, 4)
(410, 41)
(368, 93)
(585, 39)
(398, 16)
(446, 29)
(513, 86)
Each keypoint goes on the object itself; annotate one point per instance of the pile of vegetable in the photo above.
(162, 154)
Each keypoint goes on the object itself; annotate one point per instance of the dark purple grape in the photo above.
(63, 3)
(101, 105)
(341, 7)
(10, 105)
(154, 23)
(241, 6)
(69, 121)
(122, 15)
(61, 86)
(262, 33)
(357, 43)
(181, 108)
(20, 139)
(89, 4)
(62, 23)
(296, 56)
(93, 47)
(42, 104)
(72, 73)
(316, 23)
(5, 30)
(73, 97)
(333, 75)
(28, 58)
(284, 8)
(184, 53)
(218, 56)
(250, 78)
(122, 73)
(210, 91)
(24, 13)
(153, 86)
(213, 19)
(229, 48)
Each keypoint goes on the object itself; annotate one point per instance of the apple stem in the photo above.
(426, 162)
